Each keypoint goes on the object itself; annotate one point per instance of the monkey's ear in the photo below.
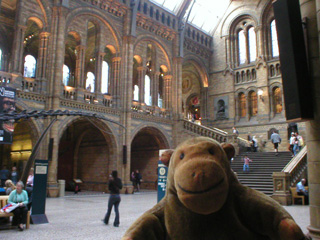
(166, 156)
(229, 149)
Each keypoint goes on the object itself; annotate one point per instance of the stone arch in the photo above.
(37, 20)
(95, 13)
(87, 146)
(45, 7)
(161, 133)
(199, 65)
(159, 44)
(234, 17)
(67, 121)
(146, 143)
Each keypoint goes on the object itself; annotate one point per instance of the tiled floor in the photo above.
(79, 217)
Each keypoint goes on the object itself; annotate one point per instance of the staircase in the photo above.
(261, 168)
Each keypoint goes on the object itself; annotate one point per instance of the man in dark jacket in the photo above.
(115, 184)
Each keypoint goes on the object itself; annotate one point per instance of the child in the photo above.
(246, 161)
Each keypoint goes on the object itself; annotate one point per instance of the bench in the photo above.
(295, 195)
(3, 202)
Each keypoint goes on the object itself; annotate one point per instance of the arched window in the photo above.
(242, 47)
(253, 104)
(272, 73)
(90, 82)
(66, 75)
(136, 93)
(277, 100)
(237, 77)
(147, 91)
(0, 59)
(29, 66)
(242, 105)
(105, 77)
(274, 39)
(252, 45)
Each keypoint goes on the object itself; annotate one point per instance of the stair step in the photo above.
(261, 169)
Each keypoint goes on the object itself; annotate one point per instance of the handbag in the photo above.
(9, 207)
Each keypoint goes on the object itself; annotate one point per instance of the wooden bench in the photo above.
(3, 202)
(295, 195)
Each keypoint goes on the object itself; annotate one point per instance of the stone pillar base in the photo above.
(314, 233)
(53, 191)
(283, 199)
(127, 190)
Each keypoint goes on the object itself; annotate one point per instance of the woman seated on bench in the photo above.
(19, 196)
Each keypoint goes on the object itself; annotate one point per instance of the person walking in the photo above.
(295, 146)
(291, 141)
(246, 161)
(133, 180)
(115, 184)
(138, 179)
(254, 144)
(301, 142)
(276, 140)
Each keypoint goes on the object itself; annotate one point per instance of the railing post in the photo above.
(281, 188)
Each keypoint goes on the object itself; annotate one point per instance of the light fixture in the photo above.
(260, 94)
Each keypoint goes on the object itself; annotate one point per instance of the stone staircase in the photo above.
(261, 169)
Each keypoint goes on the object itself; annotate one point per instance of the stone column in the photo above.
(99, 60)
(141, 75)
(155, 88)
(17, 49)
(167, 91)
(79, 72)
(310, 9)
(116, 80)
(42, 61)
(58, 48)
(260, 41)
(126, 99)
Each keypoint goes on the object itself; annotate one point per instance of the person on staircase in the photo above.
(276, 140)
(246, 161)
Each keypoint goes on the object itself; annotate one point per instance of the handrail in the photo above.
(215, 133)
(297, 166)
(295, 161)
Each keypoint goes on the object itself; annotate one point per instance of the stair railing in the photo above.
(217, 134)
(297, 166)
(288, 177)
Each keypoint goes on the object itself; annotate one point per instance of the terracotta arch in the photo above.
(159, 44)
(37, 20)
(233, 18)
(199, 66)
(93, 12)
(159, 133)
(108, 133)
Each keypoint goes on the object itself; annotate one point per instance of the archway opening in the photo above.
(84, 153)
(18, 153)
(145, 155)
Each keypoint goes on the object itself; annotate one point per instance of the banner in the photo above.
(7, 105)
(162, 176)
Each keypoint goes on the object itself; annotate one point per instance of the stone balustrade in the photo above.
(69, 93)
(28, 84)
(288, 177)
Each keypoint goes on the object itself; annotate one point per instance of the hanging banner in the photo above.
(7, 105)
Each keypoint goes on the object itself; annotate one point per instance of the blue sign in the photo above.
(162, 180)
